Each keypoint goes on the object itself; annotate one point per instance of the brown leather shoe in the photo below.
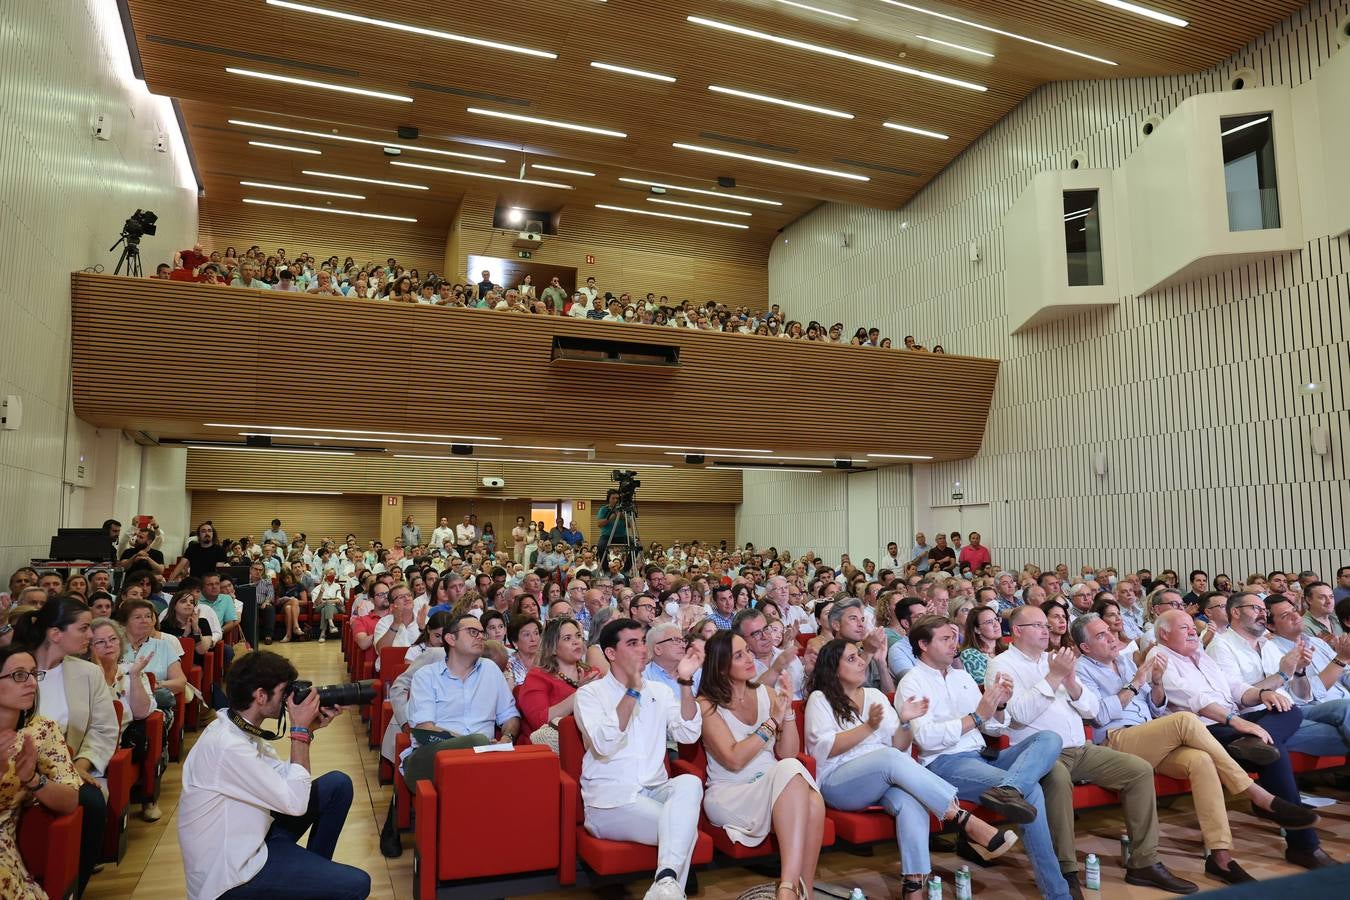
(1158, 876)
(1234, 874)
(1252, 749)
(1316, 858)
(1009, 803)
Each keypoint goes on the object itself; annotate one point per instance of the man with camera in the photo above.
(613, 527)
(243, 810)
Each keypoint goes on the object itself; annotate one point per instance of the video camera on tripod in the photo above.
(137, 225)
(628, 483)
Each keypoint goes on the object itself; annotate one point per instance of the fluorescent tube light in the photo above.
(542, 462)
(717, 467)
(816, 9)
(1077, 213)
(624, 70)
(683, 448)
(771, 162)
(650, 212)
(717, 209)
(388, 440)
(330, 210)
(277, 491)
(961, 47)
(693, 190)
(543, 168)
(412, 29)
(897, 456)
(271, 450)
(1146, 12)
(400, 184)
(1245, 125)
(284, 147)
(838, 54)
(552, 123)
(329, 136)
(919, 131)
(550, 184)
(455, 437)
(764, 98)
(991, 30)
(300, 190)
(324, 85)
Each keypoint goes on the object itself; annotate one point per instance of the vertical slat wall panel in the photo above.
(1191, 392)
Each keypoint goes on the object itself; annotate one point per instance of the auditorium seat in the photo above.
(121, 774)
(50, 847)
(392, 664)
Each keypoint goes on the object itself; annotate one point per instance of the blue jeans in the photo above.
(1021, 767)
(907, 790)
(1325, 730)
(297, 873)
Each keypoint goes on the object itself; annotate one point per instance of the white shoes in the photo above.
(665, 889)
(322, 637)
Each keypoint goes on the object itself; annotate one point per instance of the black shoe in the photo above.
(1234, 874)
(391, 843)
(1293, 816)
(1075, 889)
(1009, 803)
(965, 851)
(1252, 749)
(1158, 876)
(1316, 858)
(998, 845)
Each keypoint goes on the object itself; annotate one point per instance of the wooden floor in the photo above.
(153, 869)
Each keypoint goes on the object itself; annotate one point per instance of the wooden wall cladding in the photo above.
(232, 224)
(320, 349)
(670, 523)
(235, 515)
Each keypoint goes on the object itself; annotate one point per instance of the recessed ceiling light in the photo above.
(542, 462)
(961, 47)
(389, 440)
(549, 184)
(1245, 125)
(543, 168)
(838, 54)
(764, 98)
(716, 209)
(275, 491)
(820, 459)
(624, 70)
(552, 123)
(330, 210)
(1008, 34)
(1146, 12)
(284, 147)
(335, 175)
(685, 448)
(693, 190)
(329, 136)
(650, 212)
(270, 450)
(305, 82)
(412, 29)
(898, 456)
(817, 9)
(1312, 387)
(919, 131)
(771, 162)
(300, 190)
(456, 437)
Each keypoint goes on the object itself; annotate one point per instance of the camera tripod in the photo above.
(131, 256)
(631, 544)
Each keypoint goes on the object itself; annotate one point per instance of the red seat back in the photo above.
(492, 842)
(392, 663)
(570, 751)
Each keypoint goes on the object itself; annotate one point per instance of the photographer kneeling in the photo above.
(243, 810)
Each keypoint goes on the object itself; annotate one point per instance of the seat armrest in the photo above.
(427, 835)
(567, 832)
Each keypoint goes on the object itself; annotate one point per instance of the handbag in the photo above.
(546, 735)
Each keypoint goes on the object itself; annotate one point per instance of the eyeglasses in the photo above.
(1260, 606)
(106, 642)
(1174, 604)
(471, 632)
(677, 640)
(22, 675)
(651, 606)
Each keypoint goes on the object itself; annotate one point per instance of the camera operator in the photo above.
(613, 528)
(243, 810)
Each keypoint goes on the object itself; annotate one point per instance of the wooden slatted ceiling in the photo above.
(654, 35)
(328, 363)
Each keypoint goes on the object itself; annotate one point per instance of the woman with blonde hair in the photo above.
(549, 690)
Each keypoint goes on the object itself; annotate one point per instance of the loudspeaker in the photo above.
(461, 449)
(695, 459)
(843, 462)
(407, 132)
(258, 440)
(726, 181)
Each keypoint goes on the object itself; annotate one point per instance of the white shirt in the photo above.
(620, 762)
(441, 534)
(892, 562)
(950, 699)
(589, 293)
(794, 669)
(1241, 661)
(579, 309)
(232, 782)
(1192, 683)
(610, 317)
(1034, 707)
(822, 728)
(53, 703)
(327, 592)
(404, 635)
(463, 534)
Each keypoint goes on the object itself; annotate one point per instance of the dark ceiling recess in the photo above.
(726, 181)
(461, 449)
(408, 132)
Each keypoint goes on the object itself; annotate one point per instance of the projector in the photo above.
(494, 482)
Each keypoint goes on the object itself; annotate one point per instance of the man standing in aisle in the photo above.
(465, 535)
(411, 534)
(975, 555)
(442, 533)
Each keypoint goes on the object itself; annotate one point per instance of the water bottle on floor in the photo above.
(935, 888)
(963, 887)
(857, 895)
(1125, 847)
(1094, 873)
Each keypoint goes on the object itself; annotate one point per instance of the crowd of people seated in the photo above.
(931, 678)
(391, 281)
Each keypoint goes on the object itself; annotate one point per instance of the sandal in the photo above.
(1000, 844)
(911, 888)
(785, 886)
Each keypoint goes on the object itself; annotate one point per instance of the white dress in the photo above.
(742, 802)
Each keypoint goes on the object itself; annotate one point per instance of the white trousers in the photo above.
(665, 817)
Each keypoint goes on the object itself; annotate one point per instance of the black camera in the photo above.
(628, 483)
(355, 693)
(141, 222)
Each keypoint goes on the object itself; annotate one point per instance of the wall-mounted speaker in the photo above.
(843, 462)
(408, 132)
(726, 181)
(461, 449)
(695, 459)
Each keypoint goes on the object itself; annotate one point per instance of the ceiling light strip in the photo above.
(1147, 13)
(549, 184)
(300, 190)
(284, 147)
(389, 440)
(764, 98)
(838, 54)
(718, 467)
(541, 462)
(552, 123)
(716, 209)
(328, 136)
(276, 491)
(750, 157)
(898, 456)
(650, 212)
(412, 29)
(624, 70)
(455, 437)
(910, 129)
(817, 9)
(400, 184)
(694, 190)
(330, 210)
(999, 31)
(961, 47)
(687, 449)
(559, 169)
(323, 85)
(270, 450)
(1245, 125)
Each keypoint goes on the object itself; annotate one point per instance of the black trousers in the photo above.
(91, 830)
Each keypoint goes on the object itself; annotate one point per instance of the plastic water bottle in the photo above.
(963, 888)
(935, 888)
(857, 895)
(1094, 873)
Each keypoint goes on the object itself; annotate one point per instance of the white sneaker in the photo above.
(322, 637)
(665, 889)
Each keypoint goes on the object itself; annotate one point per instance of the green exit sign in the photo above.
(525, 254)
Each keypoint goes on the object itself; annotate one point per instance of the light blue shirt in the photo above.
(472, 705)
(900, 658)
(653, 672)
(1108, 682)
(1322, 657)
(223, 607)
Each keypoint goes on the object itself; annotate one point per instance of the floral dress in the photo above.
(53, 760)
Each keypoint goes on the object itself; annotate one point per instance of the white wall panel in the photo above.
(1192, 392)
(63, 198)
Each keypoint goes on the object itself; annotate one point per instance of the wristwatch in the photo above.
(41, 783)
(687, 682)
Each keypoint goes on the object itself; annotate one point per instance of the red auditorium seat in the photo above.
(50, 847)
(121, 774)
(392, 665)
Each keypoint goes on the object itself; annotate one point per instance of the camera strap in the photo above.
(249, 728)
